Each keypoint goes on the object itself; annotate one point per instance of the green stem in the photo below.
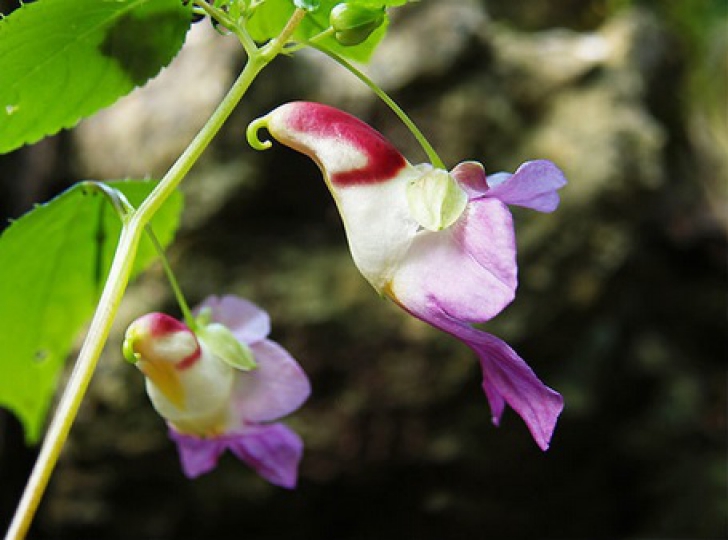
(118, 279)
(176, 289)
(77, 383)
(275, 46)
(219, 15)
(189, 157)
(124, 209)
(406, 120)
(223, 18)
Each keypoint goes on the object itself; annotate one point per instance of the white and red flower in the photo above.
(440, 244)
(212, 404)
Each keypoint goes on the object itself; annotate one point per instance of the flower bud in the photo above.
(187, 382)
(353, 24)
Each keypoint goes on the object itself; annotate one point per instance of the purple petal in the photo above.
(277, 387)
(197, 455)
(246, 321)
(470, 175)
(496, 179)
(274, 451)
(468, 270)
(506, 377)
(533, 186)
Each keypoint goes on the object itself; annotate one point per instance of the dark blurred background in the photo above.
(621, 306)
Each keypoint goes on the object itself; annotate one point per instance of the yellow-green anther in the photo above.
(353, 24)
(435, 200)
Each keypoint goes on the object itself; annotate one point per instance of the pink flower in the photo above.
(223, 387)
(440, 244)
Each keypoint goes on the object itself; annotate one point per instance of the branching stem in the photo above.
(124, 209)
(133, 227)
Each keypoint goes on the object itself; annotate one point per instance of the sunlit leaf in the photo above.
(53, 262)
(63, 60)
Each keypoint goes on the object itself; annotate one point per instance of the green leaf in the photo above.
(221, 341)
(53, 263)
(271, 16)
(63, 60)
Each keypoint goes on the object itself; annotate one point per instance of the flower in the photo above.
(222, 387)
(439, 244)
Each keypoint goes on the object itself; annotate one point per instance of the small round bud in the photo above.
(354, 24)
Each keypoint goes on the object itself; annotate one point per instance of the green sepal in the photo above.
(435, 200)
(222, 343)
